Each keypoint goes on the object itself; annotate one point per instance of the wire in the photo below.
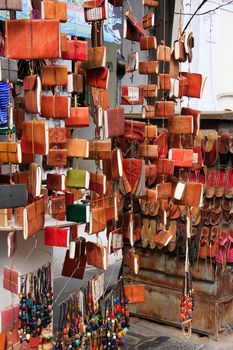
(204, 13)
(199, 7)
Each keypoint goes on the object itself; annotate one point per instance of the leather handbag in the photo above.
(76, 50)
(34, 180)
(182, 124)
(12, 5)
(78, 213)
(54, 75)
(97, 183)
(151, 131)
(77, 148)
(97, 220)
(148, 21)
(100, 149)
(18, 118)
(149, 67)
(163, 53)
(97, 255)
(79, 117)
(96, 58)
(196, 118)
(164, 190)
(164, 81)
(132, 95)
(150, 3)
(8, 70)
(148, 43)
(193, 84)
(148, 151)
(116, 3)
(164, 109)
(132, 62)
(134, 130)
(165, 166)
(95, 10)
(55, 106)
(32, 94)
(57, 206)
(98, 78)
(132, 28)
(56, 182)
(148, 112)
(57, 157)
(41, 39)
(150, 91)
(13, 196)
(78, 178)
(54, 10)
(10, 152)
(31, 217)
(57, 135)
(9, 318)
(114, 122)
(75, 83)
(74, 268)
(181, 157)
(135, 293)
(100, 98)
(35, 137)
(11, 280)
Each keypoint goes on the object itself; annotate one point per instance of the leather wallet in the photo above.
(8, 70)
(18, 118)
(35, 137)
(97, 220)
(57, 157)
(180, 125)
(150, 91)
(56, 182)
(134, 130)
(10, 152)
(78, 213)
(100, 149)
(163, 53)
(54, 10)
(96, 58)
(97, 255)
(132, 95)
(164, 81)
(40, 38)
(34, 180)
(77, 148)
(11, 280)
(165, 166)
(114, 122)
(31, 217)
(57, 135)
(12, 5)
(54, 75)
(74, 268)
(150, 3)
(148, 21)
(193, 86)
(32, 94)
(181, 157)
(95, 10)
(56, 237)
(135, 293)
(13, 196)
(78, 178)
(148, 43)
(164, 109)
(149, 67)
(75, 83)
(79, 117)
(9, 318)
(132, 62)
(98, 183)
(98, 78)
(76, 50)
(55, 106)
(132, 28)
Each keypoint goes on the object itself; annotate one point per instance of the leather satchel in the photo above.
(74, 268)
(55, 106)
(95, 10)
(54, 10)
(148, 43)
(149, 67)
(98, 183)
(57, 206)
(193, 85)
(77, 148)
(78, 178)
(35, 138)
(165, 166)
(96, 58)
(100, 149)
(132, 62)
(148, 151)
(40, 38)
(148, 21)
(56, 182)
(97, 255)
(9, 318)
(57, 135)
(11, 280)
(13, 196)
(148, 112)
(34, 180)
(100, 98)
(180, 125)
(150, 91)
(32, 94)
(164, 81)
(133, 262)
(98, 78)
(12, 5)
(18, 118)
(54, 75)
(151, 131)
(132, 28)
(181, 157)
(97, 220)
(75, 83)
(163, 53)
(150, 3)
(56, 237)
(57, 157)
(134, 130)
(8, 70)
(132, 95)
(135, 293)
(79, 117)
(114, 122)
(76, 50)
(164, 109)
(78, 213)
(10, 152)
(31, 218)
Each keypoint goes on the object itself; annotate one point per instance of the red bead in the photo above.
(182, 309)
(190, 311)
(183, 304)
(182, 316)
(190, 305)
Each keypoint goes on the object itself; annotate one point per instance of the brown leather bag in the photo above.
(57, 135)
(55, 106)
(97, 220)
(12, 5)
(100, 149)
(149, 67)
(164, 81)
(54, 75)
(181, 125)
(96, 58)
(148, 112)
(150, 91)
(54, 10)
(163, 53)
(57, 205)
(34, 137)
(57, 157)
(18, 118)
(75, 83)
(148, 21)
(97, 255)
(32, 94)
(79, 117)
(150, 3)
(148, 151)
(77, 148)
(164, 109)
(10, 152)
(148, 43)
(135, 293)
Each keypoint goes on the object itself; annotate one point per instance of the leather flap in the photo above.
(92, 4)
(150, 87)
(8, 147)
(29, 82)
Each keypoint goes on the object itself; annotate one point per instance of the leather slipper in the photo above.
(211, 148)
(144, 232)
(220, 182)
(172, 244)
(206, 210)
(229, 184)
(211, 184)
(152, 234)
(216, 212)
(213, 241)
(224, 150)
(204, 239)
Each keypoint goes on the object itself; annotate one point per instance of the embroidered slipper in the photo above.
(211, 184)
(203, 246)
(230, 247)
(216, 212)
(211, 148)
(220, 182)
(221, 255)
(213, 241)
(229, 184)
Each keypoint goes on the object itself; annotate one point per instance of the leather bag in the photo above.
(135, 293)
(57, 157)
(57, 135)
(148, 43)
(96, 58)
(149, 67)
(54, 75)
(13, 196)
(77, 148)
(32, 94)
(10, 152)
(164, 109)
(8, 70)
(100, 149)
(54, 10)
(95, 10)
(35, 137)
(55, 106)
(79, 117)
(76, 50)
